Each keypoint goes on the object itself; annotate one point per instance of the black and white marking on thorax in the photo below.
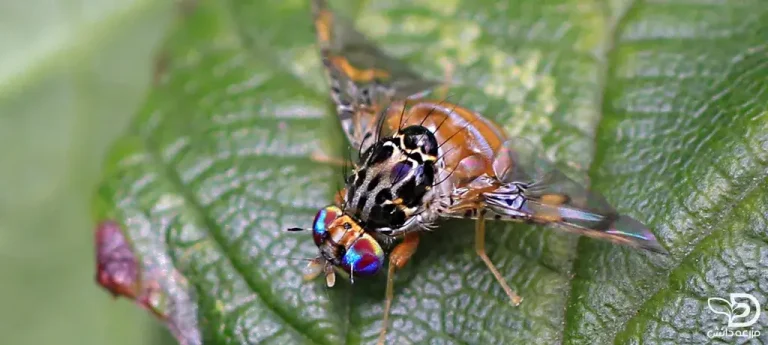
(392, 191)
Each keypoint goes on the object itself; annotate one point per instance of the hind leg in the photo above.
(514, 298)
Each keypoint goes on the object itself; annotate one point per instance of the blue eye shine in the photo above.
(364, 258)
(323, 220)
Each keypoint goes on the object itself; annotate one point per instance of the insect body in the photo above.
(421, 160)
(396, 176)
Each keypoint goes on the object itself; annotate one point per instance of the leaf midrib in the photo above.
(728, 211)
(603, 59)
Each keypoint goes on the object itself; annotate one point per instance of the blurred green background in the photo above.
(72, 73)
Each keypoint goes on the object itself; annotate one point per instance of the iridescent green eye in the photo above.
(323, 220)
(364, 257)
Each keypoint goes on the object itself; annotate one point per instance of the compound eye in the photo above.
(323, 220)
(364, 257)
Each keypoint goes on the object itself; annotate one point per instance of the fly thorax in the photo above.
(395, 180)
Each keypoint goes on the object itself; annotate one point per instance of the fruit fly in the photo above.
(420, 160)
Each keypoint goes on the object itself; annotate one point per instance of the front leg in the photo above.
(340, 196)
(399, 256)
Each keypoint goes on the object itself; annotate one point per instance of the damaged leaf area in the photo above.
(161, 291)
(660, 106)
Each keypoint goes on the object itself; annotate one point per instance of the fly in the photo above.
(420, 160)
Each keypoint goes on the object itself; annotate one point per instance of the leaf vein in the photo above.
(214, 231)
(603, 58)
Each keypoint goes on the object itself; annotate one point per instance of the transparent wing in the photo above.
(363, 79)
(534, 189)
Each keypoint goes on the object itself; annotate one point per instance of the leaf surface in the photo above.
(660, 105)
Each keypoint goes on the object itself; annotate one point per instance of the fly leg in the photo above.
(338, 198)
(514, 298)
(397, 260)
(320, 157)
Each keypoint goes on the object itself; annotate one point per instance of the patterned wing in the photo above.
(363, 79)
(532, 188)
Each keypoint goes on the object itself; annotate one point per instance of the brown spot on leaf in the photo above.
(117, 268)
(122, 272)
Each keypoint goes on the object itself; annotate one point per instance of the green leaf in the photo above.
(662, 106)
(72, 74)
